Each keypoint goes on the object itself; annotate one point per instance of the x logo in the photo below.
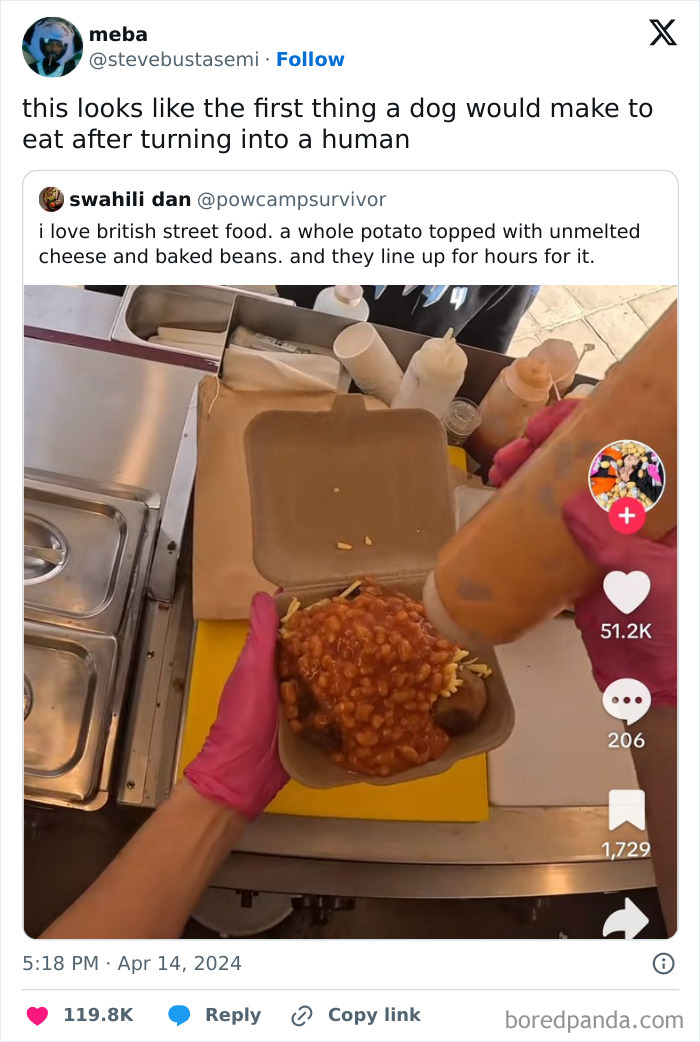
(662, 32)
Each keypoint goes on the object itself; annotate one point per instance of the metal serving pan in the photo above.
(67, 688)
(80, 551)
(205, 308)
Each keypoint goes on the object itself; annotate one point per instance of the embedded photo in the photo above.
(349, 611)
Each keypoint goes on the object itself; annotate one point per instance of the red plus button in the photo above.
(627, 515)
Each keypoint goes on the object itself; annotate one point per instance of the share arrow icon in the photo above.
(629, 920)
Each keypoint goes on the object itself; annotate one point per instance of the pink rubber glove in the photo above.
(239, 765)
(512, 456)
(653, 662)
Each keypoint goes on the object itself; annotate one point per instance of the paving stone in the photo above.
(619, 327)
(522, 347)
(652, 306)
(527, 327)
(554, 305)
(592, 297)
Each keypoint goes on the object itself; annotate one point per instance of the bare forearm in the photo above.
(656, 773)
(152, 886)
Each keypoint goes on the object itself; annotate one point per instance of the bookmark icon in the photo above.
(626, 805)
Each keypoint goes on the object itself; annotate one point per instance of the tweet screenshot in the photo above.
(352, 619)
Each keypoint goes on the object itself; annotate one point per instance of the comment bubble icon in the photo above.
(179, 1014)
(627, 700)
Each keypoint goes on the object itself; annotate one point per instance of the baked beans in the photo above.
(360, 677)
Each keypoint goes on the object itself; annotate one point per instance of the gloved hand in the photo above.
(651, 661)
(239, 765)
(512, 456)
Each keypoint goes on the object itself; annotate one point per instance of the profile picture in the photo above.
(627, 469)
(52, 47)
(51, 199)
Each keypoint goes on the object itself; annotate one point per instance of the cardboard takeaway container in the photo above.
(390, 468)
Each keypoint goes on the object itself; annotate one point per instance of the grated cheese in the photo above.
(350, 589)
(291, 610)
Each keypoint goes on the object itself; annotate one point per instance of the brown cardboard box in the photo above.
(390, 470)
(224, 576)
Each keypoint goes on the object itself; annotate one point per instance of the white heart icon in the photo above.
(626, 590)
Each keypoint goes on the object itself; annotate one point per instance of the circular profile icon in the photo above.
(626, 470)
(51, 199)
(52, 47)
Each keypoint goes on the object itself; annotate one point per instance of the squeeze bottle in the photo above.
(343, 301)
(518, 392)
(434, 375)
(561, 360)
(515, 563)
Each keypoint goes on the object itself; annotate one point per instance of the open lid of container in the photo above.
(374, 480)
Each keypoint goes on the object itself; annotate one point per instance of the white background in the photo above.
(394, 51)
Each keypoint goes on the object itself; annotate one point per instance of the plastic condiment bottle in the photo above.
(561, 359)
(517, 393)
(515, 562)
(434, 375)
(343, 301)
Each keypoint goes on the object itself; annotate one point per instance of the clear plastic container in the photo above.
(434, 375)
(343, 301)
(461, 419)
(515, 563)
(517, 393)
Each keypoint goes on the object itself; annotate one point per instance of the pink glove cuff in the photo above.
(250, 805)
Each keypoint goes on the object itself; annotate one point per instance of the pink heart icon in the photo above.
(37, 1014)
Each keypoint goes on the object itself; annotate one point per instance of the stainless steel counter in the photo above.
(70, 311)
(519, 852)
(103, 417)
(99, 422)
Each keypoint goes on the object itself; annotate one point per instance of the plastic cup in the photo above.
(368, 360)
(461, 419)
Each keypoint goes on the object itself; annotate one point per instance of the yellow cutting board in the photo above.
(460, 794)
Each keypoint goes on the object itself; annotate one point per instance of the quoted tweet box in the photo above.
(366, 226)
